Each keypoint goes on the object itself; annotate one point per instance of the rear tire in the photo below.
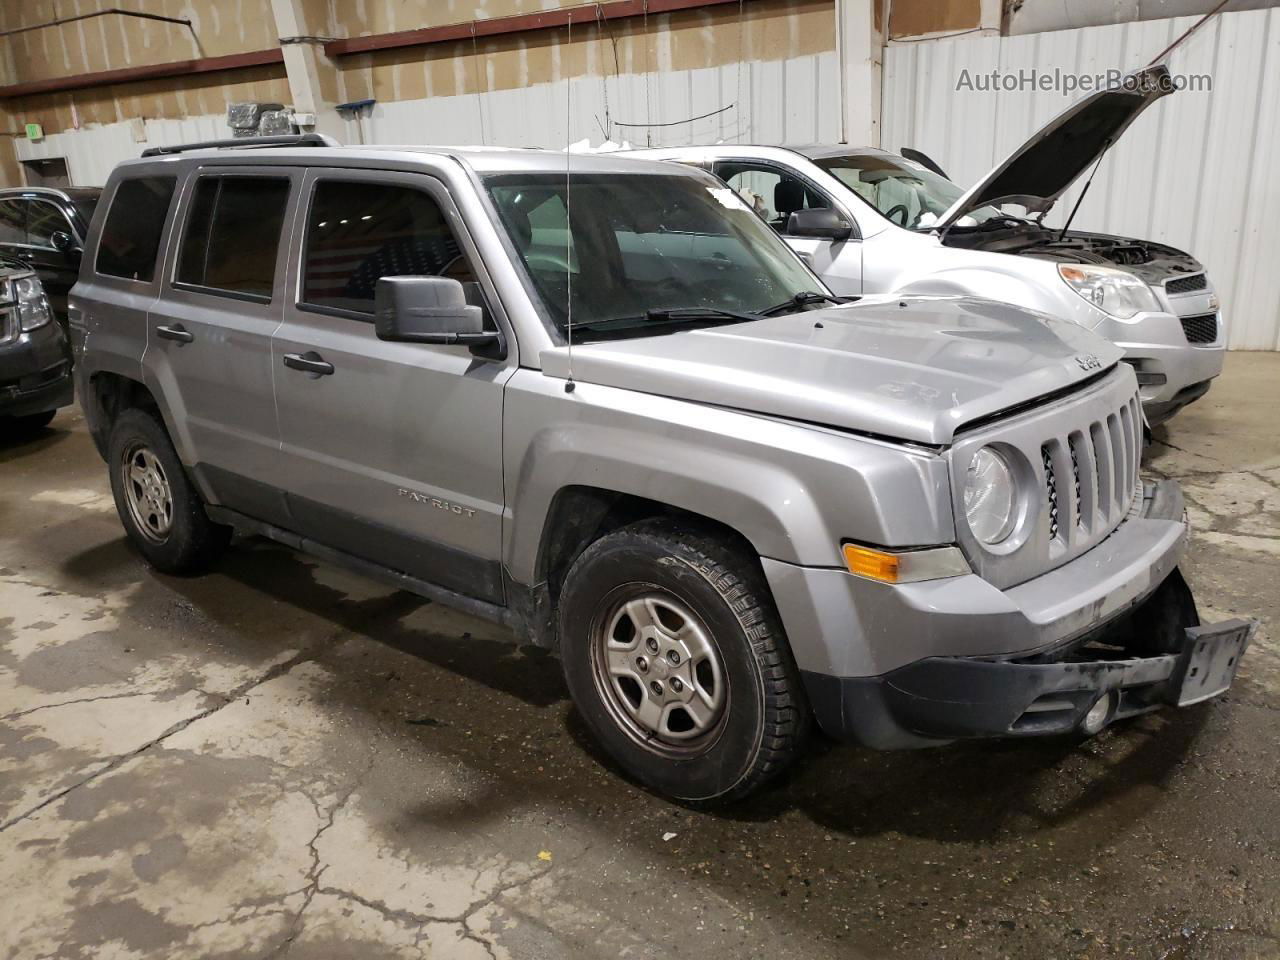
(676, 659)
(160, 509)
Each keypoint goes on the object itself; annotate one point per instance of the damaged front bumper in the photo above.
(948, 698)
(1146, 653)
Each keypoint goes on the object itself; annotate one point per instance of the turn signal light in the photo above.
(904, 566)
(872, 564)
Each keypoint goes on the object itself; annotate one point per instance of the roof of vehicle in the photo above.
(63, 193)
(811, 151)
(481, 159)
(821, 151)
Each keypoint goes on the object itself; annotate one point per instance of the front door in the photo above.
(391, 452)
(55, 251)
(775, 192)
(209, 332)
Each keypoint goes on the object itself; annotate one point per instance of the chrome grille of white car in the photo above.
(1077, 460)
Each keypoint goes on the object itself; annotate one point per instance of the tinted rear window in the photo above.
(233, 234)
(131, 236)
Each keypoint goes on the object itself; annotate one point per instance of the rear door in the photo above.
(775, 192)
(209, 333)
(391, 452)
(120, 280)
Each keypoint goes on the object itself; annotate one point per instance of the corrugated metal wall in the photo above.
(1199, 170)
(780, 101)
(92, 152)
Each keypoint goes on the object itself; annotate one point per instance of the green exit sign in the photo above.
(35, 131)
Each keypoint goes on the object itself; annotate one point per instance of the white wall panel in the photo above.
(779, 101)
(93, 151)
(1197, 170)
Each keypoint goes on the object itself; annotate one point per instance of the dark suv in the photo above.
(35, 360)
(45, 229)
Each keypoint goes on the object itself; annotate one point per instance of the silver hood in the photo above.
(1039, 172)
(913, 368)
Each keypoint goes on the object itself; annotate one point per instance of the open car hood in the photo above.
(906, 368)
(1039, 172)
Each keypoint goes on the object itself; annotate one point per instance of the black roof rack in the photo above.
(292, 140)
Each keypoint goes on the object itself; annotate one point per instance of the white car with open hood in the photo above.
(870, 221)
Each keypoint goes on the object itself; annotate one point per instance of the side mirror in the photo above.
(65, 244)
(820, 222)
(427, 310)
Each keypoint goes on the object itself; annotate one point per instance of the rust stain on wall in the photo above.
(767, 30)
(914, 18)
(679, 41)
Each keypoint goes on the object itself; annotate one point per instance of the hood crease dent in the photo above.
(915, 369)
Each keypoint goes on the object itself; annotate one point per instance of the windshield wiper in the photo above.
(683, 314)
(802, 299)
(667, 317)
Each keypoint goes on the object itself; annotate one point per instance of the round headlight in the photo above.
(990, 499)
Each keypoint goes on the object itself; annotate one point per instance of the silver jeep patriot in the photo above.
(600, 401)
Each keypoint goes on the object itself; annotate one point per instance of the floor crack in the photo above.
(317, 868)
(120, 760)
(67, 703)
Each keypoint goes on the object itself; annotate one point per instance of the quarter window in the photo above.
(233, 235)
(131, 235)
(358, 232)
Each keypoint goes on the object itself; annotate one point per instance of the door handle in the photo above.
(309, 362)
(176, 332)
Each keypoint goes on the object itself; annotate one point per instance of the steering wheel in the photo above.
(901, 207)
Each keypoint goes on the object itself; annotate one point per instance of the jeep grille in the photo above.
(1101, 458)
(1080, 457)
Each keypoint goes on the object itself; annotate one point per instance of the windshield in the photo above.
(641, 243)
(909, 194)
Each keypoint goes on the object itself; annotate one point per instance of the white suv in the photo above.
(869, 221)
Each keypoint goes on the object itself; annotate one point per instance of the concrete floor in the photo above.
(284, 758)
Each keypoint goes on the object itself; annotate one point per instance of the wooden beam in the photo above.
(517, 23)
(154, 71)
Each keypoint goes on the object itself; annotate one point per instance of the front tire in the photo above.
(677, 661)
(160, 509)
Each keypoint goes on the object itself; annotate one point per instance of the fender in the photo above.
(794, 491)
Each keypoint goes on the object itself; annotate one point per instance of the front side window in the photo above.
(44, 219)
(905, 192)
(631, 244)
(233, 235)
(131, 235)
(358, 232)
(771, 192)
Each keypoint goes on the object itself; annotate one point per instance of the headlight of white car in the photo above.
(1113, 291)
(33, 306)
(990, 496)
